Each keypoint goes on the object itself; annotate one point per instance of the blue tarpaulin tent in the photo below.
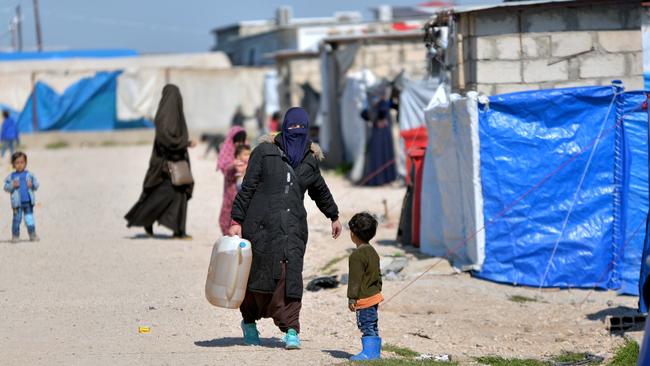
(87, 105)
(565, 184)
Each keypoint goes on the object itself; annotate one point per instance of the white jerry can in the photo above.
(230, 266)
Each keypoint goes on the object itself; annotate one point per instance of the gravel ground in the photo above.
(79, 296)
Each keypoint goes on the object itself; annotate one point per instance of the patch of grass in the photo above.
(57, 145)
(328, 268)
(626, 355)
(402, 362)
(500, 361)
(343, 169)
(400, 351)
(109, 143)
(573, 357)
(521, 299)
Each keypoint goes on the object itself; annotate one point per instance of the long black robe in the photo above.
(160, 200)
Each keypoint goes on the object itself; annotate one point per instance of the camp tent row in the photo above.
(544, 188)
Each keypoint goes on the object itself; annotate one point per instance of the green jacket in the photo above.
(365, 274)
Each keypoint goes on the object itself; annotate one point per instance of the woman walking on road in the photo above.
(269, 211)
(161, 200)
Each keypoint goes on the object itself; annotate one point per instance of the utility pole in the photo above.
(37, 19)
(19, 29)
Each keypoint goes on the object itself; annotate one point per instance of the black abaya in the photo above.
(161, 201)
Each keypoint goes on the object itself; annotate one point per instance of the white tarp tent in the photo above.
(452, 199)
(353, 127)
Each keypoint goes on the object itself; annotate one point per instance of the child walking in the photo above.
(9, 135)
(21, 184)
(232, 184)
(364, 286)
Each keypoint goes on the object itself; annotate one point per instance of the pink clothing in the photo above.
(232, 177)
(227, 151)
(229, 194)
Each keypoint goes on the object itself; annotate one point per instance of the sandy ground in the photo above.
(79, 296)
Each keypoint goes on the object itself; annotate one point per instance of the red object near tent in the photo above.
(415, 141)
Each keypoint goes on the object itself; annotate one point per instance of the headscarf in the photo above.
(171, 128)
(227, 151)
(295, 141)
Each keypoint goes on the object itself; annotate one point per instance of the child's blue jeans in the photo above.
(8, 144)
(28, 210)
(367, 321)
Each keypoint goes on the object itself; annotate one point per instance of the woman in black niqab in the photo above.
(160, 200)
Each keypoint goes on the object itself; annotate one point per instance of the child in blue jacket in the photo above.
(21, 184)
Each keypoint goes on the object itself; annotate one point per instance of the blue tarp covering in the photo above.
(526, 139)
(87, 105)
(59, 55)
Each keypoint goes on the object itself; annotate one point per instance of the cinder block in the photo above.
(634, 63)
(570, 43)
(487, 89)
(512, 88)
(537, 71)
(486, 48)
(620, 41)
(632, 83)
(496, 23)
(508, 48)
(498, 72)
(536, 46)
(578, 83)
(602, 65)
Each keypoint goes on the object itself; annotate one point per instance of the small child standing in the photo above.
(364, 286)
(242, 154)
(21, 184)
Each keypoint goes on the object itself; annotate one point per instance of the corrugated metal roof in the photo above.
(470, 8)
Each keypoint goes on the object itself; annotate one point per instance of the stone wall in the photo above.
(548, 45)
(386, 59)
(514, 62)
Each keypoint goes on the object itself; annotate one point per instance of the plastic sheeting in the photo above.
(413, 100)
(15, 89)
(138, 93)
(87, 105)
(452, 203)
(210, 97)
(535, 148)
(353, 127)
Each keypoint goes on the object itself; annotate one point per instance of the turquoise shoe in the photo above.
(291, 340)
(251, 335)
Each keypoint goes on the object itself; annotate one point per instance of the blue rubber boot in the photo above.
(251, 335)
(291, 340)
(371, 349)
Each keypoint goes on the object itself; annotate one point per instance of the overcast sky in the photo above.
(154, 26)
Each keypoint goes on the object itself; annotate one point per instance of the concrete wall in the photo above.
(533, 47)
(385, 59)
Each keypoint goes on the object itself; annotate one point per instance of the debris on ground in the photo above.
(325, 282)
(431, 357)
(392, 266)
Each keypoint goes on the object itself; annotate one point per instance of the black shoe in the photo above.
(149, 230)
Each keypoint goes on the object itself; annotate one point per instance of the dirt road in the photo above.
(79, 296)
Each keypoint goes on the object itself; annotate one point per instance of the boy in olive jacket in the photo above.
(364, 286)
